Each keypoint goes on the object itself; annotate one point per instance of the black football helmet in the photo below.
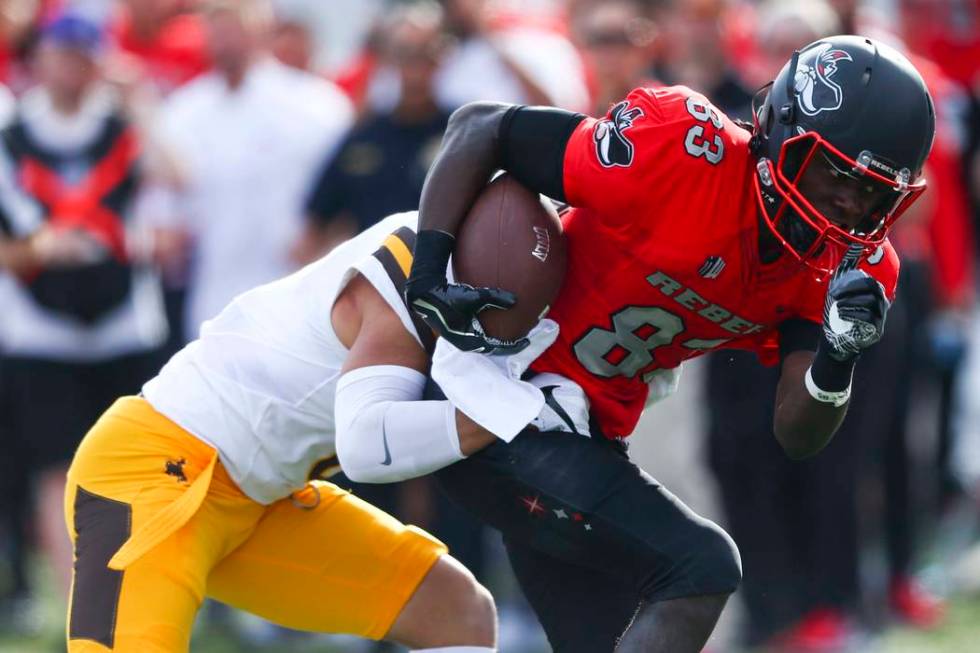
(846, 113)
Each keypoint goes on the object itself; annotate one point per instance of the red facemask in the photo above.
(830, 199)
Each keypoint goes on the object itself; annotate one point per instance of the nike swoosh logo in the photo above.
(384, 439)
(549, 398)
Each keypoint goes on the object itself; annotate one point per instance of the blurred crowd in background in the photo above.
(158, 157)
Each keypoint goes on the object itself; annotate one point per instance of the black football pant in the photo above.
(589, 534)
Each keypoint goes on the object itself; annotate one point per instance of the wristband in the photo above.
(432, 251)
(838, 398)
(830, 374)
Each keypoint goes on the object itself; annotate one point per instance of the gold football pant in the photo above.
(157, 525)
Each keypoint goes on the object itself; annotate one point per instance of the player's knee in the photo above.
(714, 565)
(723, 559)
(705, 562)
(471, 607)
(449, 608)
(481, 615)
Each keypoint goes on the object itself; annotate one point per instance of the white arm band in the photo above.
(385, 433)
(838, 399)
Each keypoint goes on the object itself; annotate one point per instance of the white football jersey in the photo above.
(259, 382)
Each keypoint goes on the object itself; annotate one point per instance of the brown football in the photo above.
(512, 239)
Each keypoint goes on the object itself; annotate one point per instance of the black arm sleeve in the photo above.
(797, 334)
(532, 144)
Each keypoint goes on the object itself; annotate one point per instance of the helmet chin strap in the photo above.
(794, 230)
(770, 249)
(758, 105)
(797, 233)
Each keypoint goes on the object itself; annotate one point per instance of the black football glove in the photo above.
(451, 309)
(854, 312)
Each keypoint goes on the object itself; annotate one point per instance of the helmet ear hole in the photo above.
(770, 115)
(787, 114)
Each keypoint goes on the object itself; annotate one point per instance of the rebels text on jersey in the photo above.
(664, 261)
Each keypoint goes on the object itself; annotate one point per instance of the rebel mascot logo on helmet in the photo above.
(841, 136)
(815, 88)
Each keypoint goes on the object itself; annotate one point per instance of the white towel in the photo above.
(488, 388)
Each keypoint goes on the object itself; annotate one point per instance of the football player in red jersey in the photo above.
(687, 232)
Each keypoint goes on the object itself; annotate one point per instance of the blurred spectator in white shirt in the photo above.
(506, 58)
(246, 140)
(292, 44)
(337, 28)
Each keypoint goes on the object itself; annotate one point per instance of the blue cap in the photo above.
(73, 31)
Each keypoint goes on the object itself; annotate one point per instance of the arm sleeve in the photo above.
(532, 146)
(385, 433)
(798, 334)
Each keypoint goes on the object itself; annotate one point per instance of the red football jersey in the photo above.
(663, 252)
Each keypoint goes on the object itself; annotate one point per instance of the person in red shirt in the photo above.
(163, 40)
(687, 232)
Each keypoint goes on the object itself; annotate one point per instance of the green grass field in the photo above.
(960, 634)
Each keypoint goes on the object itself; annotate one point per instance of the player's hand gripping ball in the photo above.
(451, 309)
(509, 255)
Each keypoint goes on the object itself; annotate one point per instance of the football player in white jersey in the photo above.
(210, 484)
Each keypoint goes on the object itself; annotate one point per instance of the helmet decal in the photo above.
(879, 254)
(611, 145)
(815, 90)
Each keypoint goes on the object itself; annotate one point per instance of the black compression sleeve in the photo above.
(797, 334)
(532, 146)
(828, 374)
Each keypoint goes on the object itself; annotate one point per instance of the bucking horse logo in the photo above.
(611, 145)
(816, 91)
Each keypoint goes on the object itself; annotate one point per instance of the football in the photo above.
(512, 239)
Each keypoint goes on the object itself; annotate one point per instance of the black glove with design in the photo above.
(853, 320)
(854, 313)
(451, 309)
